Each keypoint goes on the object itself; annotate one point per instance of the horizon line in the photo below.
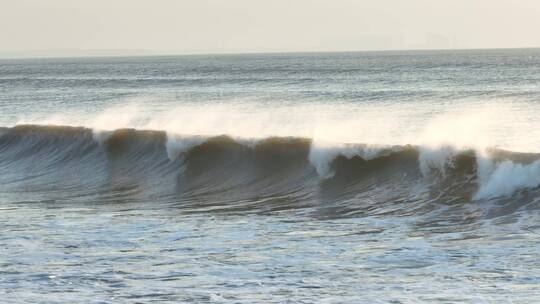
(132, 53)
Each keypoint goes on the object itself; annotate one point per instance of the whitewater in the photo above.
(332, 177)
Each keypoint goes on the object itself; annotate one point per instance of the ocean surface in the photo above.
(372, 177)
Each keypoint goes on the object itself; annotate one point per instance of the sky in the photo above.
(124, 27)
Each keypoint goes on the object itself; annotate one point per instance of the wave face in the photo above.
(221, 173)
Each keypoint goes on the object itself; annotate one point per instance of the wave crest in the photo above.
(40, 158)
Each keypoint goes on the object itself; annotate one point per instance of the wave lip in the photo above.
(293, 172)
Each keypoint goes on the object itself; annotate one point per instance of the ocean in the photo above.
(365, 177)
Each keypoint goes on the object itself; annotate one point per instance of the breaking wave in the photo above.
(269, 174)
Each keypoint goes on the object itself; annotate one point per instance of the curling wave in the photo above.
(261, 175)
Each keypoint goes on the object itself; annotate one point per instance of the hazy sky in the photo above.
(42, 27)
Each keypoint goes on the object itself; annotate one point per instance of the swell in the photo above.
(201, 173)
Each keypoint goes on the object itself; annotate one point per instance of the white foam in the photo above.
(322, 154)
(505, 178)
(436, 159)
(101, 136)
(495, 179)
(177, 144)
